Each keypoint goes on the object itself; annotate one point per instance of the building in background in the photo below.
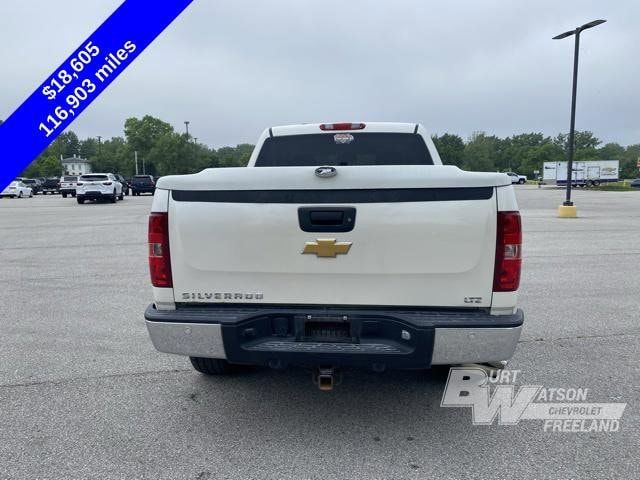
(76, 165)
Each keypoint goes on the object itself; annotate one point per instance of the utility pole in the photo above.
(136, 157)
(186, 124)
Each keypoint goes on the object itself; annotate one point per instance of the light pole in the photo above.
(100, 149)
(568, 209)
(186, 124)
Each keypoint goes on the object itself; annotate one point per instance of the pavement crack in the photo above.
(580, 337)
(97, 377)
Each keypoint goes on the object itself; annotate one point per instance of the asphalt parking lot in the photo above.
(83, 393)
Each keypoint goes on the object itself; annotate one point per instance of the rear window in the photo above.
(70, 179)
(344, 148)
(28, 180)
(93, 178)
(142, 179)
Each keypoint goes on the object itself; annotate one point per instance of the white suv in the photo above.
(98, 186)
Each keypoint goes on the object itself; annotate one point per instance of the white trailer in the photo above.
(588, 173)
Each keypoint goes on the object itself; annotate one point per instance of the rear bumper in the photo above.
(381, 338)
(67, 190)
(94, 194)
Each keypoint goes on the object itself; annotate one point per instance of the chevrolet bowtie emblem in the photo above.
(327, 247)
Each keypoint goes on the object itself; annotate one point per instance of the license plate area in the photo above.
(330, 329)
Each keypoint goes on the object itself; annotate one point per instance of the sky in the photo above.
(233, 68)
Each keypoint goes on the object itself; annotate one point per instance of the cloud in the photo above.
(234, 68)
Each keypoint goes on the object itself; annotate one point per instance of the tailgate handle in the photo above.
(324, 217)
(327, 219)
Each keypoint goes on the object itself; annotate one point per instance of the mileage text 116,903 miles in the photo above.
(59, 86)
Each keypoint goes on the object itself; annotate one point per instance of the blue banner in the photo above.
(80, 79)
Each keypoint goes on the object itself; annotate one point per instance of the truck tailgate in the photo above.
(421, 236)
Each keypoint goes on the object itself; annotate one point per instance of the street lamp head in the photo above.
(595, 23)
(564, 35)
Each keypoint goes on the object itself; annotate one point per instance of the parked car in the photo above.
(124, 182)
(98, 186)
(51, 185)
(515, 178)
(33, 183)
(348, 218)
(68, 185)
(635, 183)
(142, 184)
(17, 189)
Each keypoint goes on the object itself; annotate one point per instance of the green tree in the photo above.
(585, 144)
(143, 134)
(50, 167)
(172, 154)
(628, 164)
(117, 152)
(481, 152)
(237, 156)
(89, 148)
(611, 151)
(518, 150)
(451, 148)
(66, 145)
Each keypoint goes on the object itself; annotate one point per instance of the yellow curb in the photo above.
(567, 211)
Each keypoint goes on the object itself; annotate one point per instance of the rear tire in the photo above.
(121, 197)
(80, 200)
(20, 195)
(64, 195)
(211, 366)
(521, 181)
(113, 197)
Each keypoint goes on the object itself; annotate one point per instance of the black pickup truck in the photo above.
(51, 185)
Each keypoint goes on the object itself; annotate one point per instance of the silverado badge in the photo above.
(327, 247)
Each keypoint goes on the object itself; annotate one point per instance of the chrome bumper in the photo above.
(474, 345)
(191, 339)
(451, 345)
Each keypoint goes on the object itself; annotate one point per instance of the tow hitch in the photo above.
(326, 378)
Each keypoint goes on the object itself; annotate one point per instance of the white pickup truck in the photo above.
(340, 245)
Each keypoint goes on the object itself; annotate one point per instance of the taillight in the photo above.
(106, 183)
(506, 275)
(159, 258)
(79, 183)
(342, 126)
